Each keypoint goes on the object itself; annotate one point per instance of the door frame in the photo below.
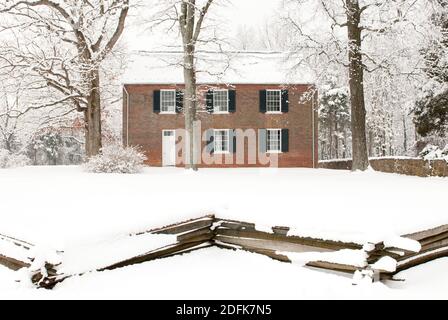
(163, 137)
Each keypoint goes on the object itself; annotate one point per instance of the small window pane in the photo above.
(273, 100)
(168, 100)
(274, 140)
(221, 141)
(220, 101)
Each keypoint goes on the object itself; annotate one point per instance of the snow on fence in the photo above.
(408, 166)
(14, 253)
(369, 261)
(47, 268)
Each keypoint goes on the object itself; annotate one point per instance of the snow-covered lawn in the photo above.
(223, 274)
(90, 218)
(63, 206)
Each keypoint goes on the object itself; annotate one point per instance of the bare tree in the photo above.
(25, 107)
(80, 34)
(190, 24)
(270, 36)
(9, 126)
(189, 16)
(362, 22)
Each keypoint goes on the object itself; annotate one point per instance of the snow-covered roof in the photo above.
(159, 67)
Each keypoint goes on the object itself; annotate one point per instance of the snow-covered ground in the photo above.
(223, 274)
(90, 217)
(59, 207)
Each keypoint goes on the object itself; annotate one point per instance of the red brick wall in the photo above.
(144, 127)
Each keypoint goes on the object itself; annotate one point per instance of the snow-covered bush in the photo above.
(432, 152)
(53, 147)
(11, 160)
(116, 159)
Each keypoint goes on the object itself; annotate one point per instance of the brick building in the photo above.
(244, 121)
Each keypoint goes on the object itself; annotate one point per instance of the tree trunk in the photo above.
(344, 152)
(336, 141)
(8, 145)
(190, 105)
(405, 136)
(330, 140)
(356, 84)
(323, 153)
(92, 117)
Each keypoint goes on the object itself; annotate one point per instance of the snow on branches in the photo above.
(63, 45)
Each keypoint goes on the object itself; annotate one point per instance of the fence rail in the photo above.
(239, 235)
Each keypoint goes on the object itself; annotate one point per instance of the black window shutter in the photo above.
(210, 140)
(209, 101)
(233, 137)
(156, 101)
(285, 140)
(179, 101)
(232, 101)
(285, 101)
(263, 101)
(262, 141)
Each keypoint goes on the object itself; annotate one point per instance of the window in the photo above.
(273, 101)
(167, 101)
(274, 140)
(222, 141)
(220, 101)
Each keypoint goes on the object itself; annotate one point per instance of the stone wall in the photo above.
(412, 167)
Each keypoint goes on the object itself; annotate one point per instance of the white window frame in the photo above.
(169, 130)
(279, 102)
(214, 142)
(279, 143)
(215, 111)
(161, 101)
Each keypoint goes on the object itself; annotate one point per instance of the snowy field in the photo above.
(59, 207)
(199, 275)
(90, 217)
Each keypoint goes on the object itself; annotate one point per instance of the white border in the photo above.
(281, 138)
(163, 135)
(168, 90)
(280, 102)
(228, 102)
(214, 142)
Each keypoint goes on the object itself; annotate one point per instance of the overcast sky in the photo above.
(251, 12)
(233, 14)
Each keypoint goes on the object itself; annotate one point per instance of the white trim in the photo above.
(130, 83)
(214, 100)
(313, 133)
(174, 136)
(280, 142)
(228, 141)
(280, 101)
(169, 130)
(161, 101)
(127, 115)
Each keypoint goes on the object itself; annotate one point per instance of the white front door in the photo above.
(168, 148)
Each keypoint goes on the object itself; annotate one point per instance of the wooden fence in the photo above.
(239, 235)
(11, 261)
